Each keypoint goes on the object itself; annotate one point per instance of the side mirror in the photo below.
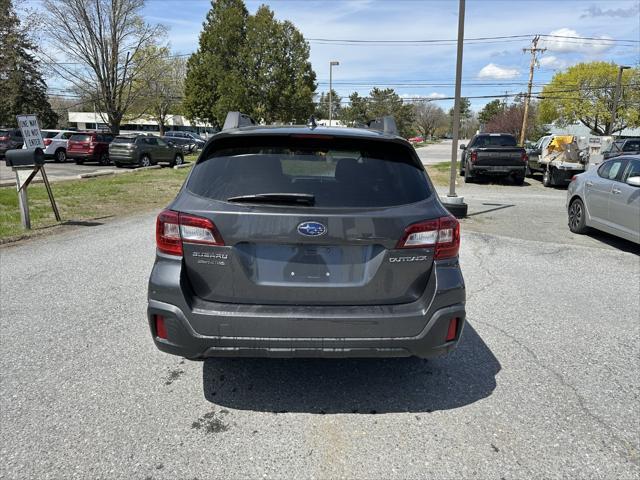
(634, 181)
(463, 147)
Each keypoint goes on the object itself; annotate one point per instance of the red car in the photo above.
(416, 139)
(89, 147)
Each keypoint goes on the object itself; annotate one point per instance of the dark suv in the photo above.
(89, 147)
(143, 151)
(625, 146)
(294, 241)
(10, 139)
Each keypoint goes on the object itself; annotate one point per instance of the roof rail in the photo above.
(237, 120)
(386, 124)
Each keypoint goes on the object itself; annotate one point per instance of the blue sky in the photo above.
(430, 69)
(502, 62)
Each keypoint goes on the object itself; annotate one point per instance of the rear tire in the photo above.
(117, 164)
(60, 156)
(518, 180)
(577, 218)
(179, 160)
(145, 161)
(468, 178)
(79, 162)
(104, 159)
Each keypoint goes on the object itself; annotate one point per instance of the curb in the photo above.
(184, 165)
(99, 173)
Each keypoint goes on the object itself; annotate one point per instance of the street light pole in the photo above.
(331, 65)
(616, 98)
(456, 105)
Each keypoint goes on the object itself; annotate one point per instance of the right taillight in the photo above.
(443, 234)
(174, 228)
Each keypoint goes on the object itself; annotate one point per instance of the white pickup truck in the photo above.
(558, 158)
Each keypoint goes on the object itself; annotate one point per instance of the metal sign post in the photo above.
(26, 164)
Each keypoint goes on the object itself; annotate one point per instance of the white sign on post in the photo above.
(28, 167)
(30, 131)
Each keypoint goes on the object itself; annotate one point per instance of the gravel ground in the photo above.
(545, 382)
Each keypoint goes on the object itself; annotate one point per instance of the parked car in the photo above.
(187, 145)
(607, 198)
(89, 147)
(626, 146)
(493, 154)
(291, 241)
(416, 139)
(55, 142)
(143, 151)
(10, 139)
(189, 135)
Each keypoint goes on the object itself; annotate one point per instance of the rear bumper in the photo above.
(499, 169)
(87, 157)
(197, 329)
(123, 157)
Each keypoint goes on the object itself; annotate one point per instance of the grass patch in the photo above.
(87, 199)
(439, 173)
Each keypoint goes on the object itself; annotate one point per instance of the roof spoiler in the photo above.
(237, 120)
(386, 124)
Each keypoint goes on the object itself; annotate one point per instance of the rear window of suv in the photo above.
(124, 140)
(80, 138)
(370, 174)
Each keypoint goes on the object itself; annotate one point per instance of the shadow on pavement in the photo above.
(615, 242)
(496, 206)
(354, 385)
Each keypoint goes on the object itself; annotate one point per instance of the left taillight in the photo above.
(47, 142)
(442, 233)
(174, 228)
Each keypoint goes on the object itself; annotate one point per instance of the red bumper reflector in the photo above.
(161, 329)
(453, 328)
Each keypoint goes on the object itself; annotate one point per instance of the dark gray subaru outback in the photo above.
(303, 241)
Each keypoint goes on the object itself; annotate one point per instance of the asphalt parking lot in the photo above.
(545, 382)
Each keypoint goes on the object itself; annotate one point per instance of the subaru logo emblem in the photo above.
(311, 229)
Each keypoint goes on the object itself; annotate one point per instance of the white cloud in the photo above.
(576, 44)
(594, 11)
(496, 72)
(436, 95)
(553, 62)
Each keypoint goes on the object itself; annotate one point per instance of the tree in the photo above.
(356, 112)
(465, 109)
(164, 84)
(510, 121)
(110, 48)
(468, 123)
(322, 108)
(21, 83)
(584, 93)
(388, 102)
(490, 110)
(251, 63)
(429, 117)
(378, 104)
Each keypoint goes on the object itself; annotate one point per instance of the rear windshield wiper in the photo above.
(281, 198)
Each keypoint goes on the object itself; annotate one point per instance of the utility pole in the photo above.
(616, 98)
(331, 65)
(534, 52)
(456, 105)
